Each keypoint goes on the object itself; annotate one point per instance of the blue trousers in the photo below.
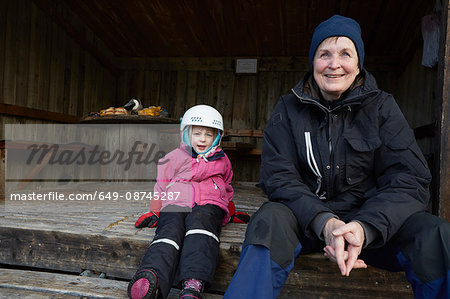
(273, 241)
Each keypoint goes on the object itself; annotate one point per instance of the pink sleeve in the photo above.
(166, 171)
(228, 176)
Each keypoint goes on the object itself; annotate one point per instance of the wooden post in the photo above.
(442, 169)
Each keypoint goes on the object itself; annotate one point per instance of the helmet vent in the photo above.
(196, 119)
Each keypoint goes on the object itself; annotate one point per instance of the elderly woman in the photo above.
(343, 174)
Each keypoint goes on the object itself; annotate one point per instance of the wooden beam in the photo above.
(244, 133)
(442, 165)
(32, 113)
(49, 8)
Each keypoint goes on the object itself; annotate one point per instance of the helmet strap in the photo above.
(186, 135)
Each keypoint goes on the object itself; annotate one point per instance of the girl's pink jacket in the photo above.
(185, 181)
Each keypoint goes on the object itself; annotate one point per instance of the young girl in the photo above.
(196, 176)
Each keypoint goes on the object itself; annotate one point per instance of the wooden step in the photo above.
(100, 236)
(36, 284)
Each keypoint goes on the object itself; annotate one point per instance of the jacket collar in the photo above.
(217, 154)
(308, 92)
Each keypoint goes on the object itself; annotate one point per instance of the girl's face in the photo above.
(335, 66)
(202, 138)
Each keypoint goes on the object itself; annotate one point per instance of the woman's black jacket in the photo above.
(369, 167)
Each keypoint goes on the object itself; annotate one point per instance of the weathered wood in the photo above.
(34, 284)
(33, 113)
(3, 22)
(48, 8)
(100, 236)
(2, 176)
(129, 119)
(13, 293)
(442, 172)
(244, 133)
(44, 69)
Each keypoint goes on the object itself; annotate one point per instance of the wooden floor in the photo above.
(45, 245)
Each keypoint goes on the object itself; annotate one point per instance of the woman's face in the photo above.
(202, 138)
(335, 66)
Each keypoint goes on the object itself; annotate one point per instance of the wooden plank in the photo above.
(22, 55)
(191, 98)
(3, 22)
(33, 113)
(87, 84)
(2, 176)
(180, 95)
(34, 284)
(11, 59)
(42, 81)
(244, 133)
(56, 72)
(64, 285)
(224, 96)
(129, 119)
(33, 74)
(443, 168)
(13, 293)
(152, 88)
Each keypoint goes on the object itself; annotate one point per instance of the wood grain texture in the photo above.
(34, 284)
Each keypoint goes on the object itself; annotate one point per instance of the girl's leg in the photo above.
(163, 254)
(200, 253)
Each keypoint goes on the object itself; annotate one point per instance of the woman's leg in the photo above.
(424, 240)
(273, 241)
(421, 248)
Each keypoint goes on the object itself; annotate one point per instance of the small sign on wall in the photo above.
(246, 66)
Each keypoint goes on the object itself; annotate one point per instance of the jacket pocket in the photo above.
(219, 186)
(210, 191)
(359, 158)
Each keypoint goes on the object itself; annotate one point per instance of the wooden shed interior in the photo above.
(62, 59)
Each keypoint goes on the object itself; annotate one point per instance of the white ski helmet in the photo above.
(201, 115)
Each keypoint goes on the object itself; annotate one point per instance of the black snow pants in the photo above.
(186, 245)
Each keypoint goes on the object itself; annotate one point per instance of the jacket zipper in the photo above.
(330, 161)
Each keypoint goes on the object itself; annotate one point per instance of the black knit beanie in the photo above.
(338, 26)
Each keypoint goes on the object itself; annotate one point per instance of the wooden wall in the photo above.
(43, 67)
(415, 92)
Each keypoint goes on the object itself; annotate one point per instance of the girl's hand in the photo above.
(147, 220)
